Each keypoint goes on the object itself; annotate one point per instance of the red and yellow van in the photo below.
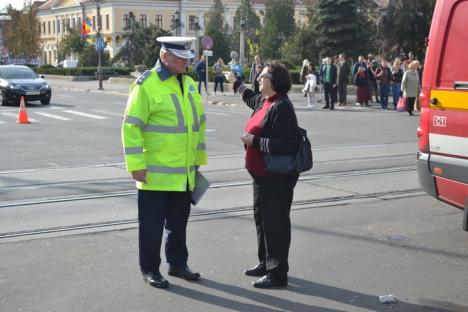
(443, 124)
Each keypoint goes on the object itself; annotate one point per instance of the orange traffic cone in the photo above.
(23, 115)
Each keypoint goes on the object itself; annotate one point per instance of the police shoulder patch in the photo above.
(143, 77)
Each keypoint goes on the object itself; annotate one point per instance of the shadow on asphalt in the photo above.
(270, 302)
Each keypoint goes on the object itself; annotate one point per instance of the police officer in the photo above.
(163, 136)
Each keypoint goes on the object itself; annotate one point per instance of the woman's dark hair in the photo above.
(280, 79)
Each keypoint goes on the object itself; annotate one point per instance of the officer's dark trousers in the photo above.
(272, 205)
(158, 210)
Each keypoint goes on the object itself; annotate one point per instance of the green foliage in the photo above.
(140, 45)
(341, 26)
(406, 26)
(82, 71)
(89, 56)
(21, 33)
(251, 27)
(70, 43)
(278, 28)
(217, 29)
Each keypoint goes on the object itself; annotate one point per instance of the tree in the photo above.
(217, 29)
(70, 43)
(89, 56)
(406, 25)
(278, 28)
(342, 26)
(140, 45)
(22, 33)
(251, 26)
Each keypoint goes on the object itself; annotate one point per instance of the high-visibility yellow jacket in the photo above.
(164, 132)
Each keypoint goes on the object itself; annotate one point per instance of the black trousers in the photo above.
(330, 94)
(342, 89)
(158, 210)
(220, 81)
(272, 204)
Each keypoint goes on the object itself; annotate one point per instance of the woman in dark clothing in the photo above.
(361, 81)
(272, 128)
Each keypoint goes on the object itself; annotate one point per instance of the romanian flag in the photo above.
(86, 27)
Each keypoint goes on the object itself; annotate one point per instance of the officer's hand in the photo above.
(230, 77)
(139, 175)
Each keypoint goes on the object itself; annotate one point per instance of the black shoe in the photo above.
(270, 281)
(325, 107)
(155, 279)
(258, 270)
(185, 273)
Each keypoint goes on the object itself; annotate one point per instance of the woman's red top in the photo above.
(254, 161)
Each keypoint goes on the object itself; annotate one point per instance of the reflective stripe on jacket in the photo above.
(164, 132)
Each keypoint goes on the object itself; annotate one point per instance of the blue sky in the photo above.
(17, 4)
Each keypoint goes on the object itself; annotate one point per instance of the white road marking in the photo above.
(210, 130)
(84, 114)
(52, 116)
(108, 113)
(16, 116)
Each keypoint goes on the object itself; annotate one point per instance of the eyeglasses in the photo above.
(265, 75)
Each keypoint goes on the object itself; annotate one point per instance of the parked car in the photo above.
(17, 81)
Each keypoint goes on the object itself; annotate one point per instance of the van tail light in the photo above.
(423, 129)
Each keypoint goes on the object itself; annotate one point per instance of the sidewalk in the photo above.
(120, 86)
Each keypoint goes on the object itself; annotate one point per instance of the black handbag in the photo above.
(288, 164)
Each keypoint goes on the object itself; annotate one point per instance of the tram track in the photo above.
(132, 192)
(203, 215)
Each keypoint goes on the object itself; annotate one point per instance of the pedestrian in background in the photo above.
(200, 70)
(383, 75)
(361, 81)
(410, 86)
(397, 75)
(304, 71)
(218, 75)
(165, 172)
(272, 128)
(372, 66)
(328, 73)
(310, 86)
(253, 68)
(343, 72)
(256, 83)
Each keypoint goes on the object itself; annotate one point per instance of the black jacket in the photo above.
(280, 121)
(323, 73)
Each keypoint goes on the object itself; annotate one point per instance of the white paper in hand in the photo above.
(201, 185)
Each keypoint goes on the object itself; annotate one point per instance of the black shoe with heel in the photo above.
(258, 270)
(270, 281)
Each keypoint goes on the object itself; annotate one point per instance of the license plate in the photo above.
(32, 92)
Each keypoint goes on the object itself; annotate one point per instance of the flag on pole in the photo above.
(86, 27)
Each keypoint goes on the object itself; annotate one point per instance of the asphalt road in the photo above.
(361, 225)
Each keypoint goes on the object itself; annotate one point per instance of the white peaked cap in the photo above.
(179, 46)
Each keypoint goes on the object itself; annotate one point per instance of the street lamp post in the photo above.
(197, 36)
(176, 24)
(98, 38)
(242, 41)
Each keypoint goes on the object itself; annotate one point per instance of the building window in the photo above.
(43, 28)
(143, 20)
(48, 27)
(73, 23)
(107, 21)
(94, 22)
(192, 22)
(78, 22)
(58, 26)
(158, 21)
(53, 27)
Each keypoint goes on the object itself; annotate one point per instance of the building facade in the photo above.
(178, 16)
